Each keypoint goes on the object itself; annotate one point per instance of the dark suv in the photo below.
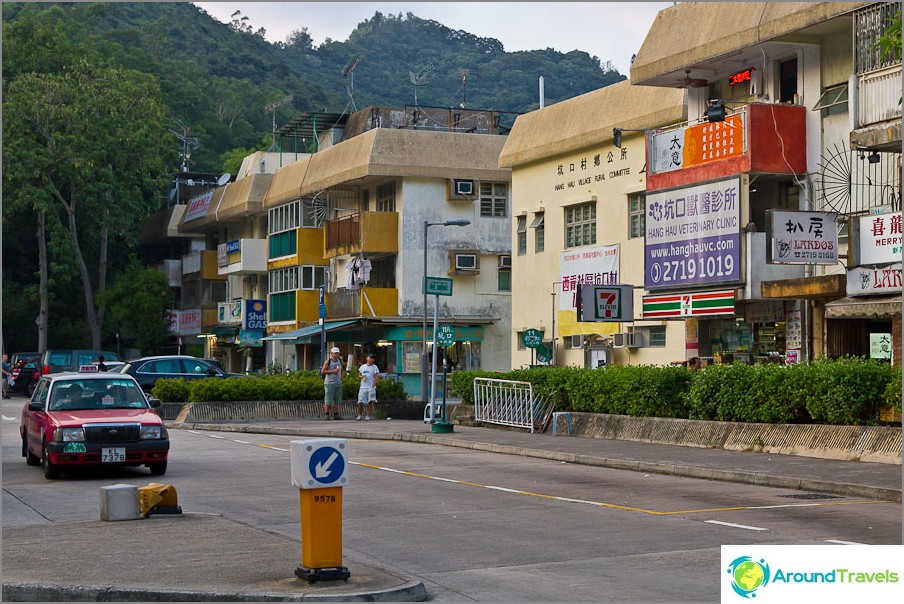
(150, 369)
(54, 361)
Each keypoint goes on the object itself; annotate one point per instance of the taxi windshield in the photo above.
(84, 394)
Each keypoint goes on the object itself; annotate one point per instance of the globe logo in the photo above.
(748, 575)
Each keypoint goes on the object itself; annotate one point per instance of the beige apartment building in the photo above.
(578, 217)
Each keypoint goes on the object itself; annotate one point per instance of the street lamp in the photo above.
(424, 372)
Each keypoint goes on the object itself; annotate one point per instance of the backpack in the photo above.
(330, 365)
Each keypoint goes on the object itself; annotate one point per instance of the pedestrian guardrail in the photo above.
(509, 403)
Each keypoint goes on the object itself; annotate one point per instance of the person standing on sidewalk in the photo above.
(7, 375)
(332, 385)
(367, 393)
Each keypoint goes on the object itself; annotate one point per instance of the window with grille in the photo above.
(283, 218)
(539, 227)
(386, 197)
(283, 280)
(522, 235)
(312, 277)
(580, 225)
(637, 204)
(493, 199)
(869, 24)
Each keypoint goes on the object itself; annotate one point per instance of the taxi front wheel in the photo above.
(50, 470)
(157, 468)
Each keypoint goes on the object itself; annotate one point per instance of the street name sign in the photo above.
(438, 286)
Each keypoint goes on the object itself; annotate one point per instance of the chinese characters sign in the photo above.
(591, 266)
(595, 168)
(698, 144)
(185, 322)
(880, 238)
(198, 206)
(693, 235)
(802, 237)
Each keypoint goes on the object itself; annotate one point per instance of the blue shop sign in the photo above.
(255, 316)
(233, 246)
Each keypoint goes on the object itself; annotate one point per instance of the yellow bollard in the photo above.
(321, 527)
(158, 498)
(318, 467)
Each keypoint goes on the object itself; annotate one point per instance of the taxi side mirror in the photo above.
(36, 406)
(154, 402)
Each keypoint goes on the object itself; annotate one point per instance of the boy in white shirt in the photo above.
(367, 393)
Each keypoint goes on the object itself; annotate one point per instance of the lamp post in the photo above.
(424, 372)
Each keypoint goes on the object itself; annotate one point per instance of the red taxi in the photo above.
(91, 419)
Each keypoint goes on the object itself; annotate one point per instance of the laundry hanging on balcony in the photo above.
(358, 270)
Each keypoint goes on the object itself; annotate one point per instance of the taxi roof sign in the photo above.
(89, 368)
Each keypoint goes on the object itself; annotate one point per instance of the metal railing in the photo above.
(509, 403)
(879, 96)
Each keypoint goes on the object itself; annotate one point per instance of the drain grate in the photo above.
(812, 496)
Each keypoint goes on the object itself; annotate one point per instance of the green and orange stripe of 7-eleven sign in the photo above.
(704, 304)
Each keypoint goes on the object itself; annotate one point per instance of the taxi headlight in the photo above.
(153, 432)
(70, 435)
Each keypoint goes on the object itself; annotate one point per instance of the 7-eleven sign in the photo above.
(605, 303)
(679, 306)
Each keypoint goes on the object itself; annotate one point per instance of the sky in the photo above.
(563, 26)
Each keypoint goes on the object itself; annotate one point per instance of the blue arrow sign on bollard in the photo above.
(326, 465)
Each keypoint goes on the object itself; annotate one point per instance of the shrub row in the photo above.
(847, 391)
(298, 386)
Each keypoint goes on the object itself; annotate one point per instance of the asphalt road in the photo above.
(474, 525)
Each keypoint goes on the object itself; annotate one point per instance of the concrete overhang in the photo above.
(385, 152)
(711, 37)
(880, 137)
(588, 120)
(235, 200)
(824, 287)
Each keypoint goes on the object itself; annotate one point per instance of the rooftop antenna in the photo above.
(464, 94)
(189, 144)
(348, 72)
(418, 78)
(271, 108)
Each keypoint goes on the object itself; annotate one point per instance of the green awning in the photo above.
(294, 337)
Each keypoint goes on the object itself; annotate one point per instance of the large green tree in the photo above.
(85, 147)
(139, 305)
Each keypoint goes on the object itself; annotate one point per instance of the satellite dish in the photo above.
(323, 208)
(190, 182)
(222, 180)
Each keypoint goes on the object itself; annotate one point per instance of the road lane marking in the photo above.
(732, 525)
(8, 419)
(839, 542)
(585, 501)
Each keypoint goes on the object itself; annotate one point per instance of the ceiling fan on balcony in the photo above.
(689, 82)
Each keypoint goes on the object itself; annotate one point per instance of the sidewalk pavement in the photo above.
(210, 558)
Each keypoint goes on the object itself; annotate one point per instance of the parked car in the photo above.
(54, 361)
(148, 370)
(92, 419)
(25, 372)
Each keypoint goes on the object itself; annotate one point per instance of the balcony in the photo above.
(750, 140)
(878, 112)
(200, 265)
(242, 256)
(365, 302)
(371, 232)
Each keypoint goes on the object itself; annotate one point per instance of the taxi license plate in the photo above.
(113, 454)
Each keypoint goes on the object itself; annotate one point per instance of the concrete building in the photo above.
(349, 221)
(578, 217)
(810, 147)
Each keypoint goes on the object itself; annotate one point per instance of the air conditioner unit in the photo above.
(462, 189)
(627, 340)
(466, 262)
(505, 262)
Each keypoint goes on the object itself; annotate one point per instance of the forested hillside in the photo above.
(99, 97)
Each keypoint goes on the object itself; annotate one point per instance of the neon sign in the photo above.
(741, 76)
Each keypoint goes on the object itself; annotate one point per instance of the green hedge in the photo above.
(298, 386)
(846, 391)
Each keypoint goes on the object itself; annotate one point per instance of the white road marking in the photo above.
(9, 419)
(740, 526)
(840, 542)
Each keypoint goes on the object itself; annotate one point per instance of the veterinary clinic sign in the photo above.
(693, 235)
